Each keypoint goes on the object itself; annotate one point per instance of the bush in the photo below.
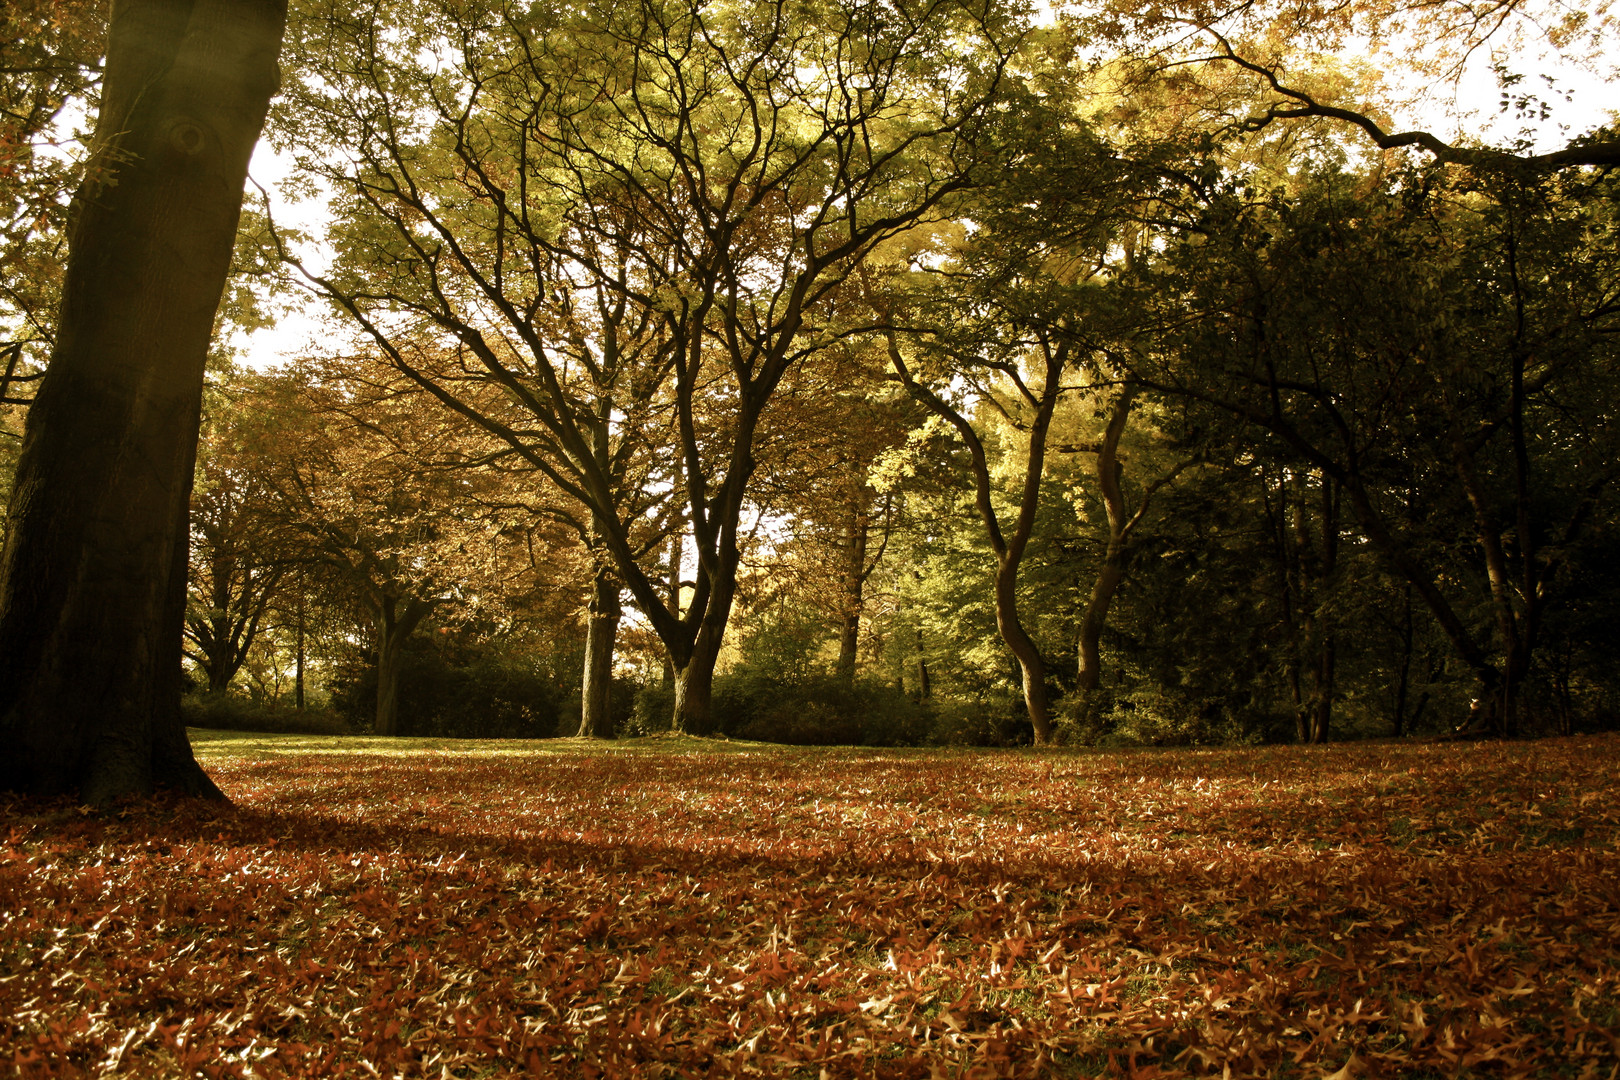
(817, 710)
(652, 707)
(980, 723)
(465, 694)
(1157, 716)
(229, 712)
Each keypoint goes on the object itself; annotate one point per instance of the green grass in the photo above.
(209, 743)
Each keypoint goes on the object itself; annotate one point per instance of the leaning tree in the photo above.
(93, 582)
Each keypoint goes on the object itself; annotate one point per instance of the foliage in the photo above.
(51, 55)
(1372, 910)
(232, 712)
(1440, 352)
(479, 692)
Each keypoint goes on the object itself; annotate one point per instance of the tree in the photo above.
(1125, 507)
(700, 179)
(50, 67)
(1013, 328)
(236, 574)
(373, 482)
(1284, 56)
(833, 419)
(93, 590)
(1449, 340)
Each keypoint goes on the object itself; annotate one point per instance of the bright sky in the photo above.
(296, 329)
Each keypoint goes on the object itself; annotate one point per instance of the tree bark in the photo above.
(694, 687)
(394, 626)
(1117, 553)
(854, 589)
(92, 583)
(602, 628)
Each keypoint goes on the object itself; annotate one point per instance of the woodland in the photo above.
(888, 375)
(816, 538)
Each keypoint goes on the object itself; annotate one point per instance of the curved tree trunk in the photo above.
(602, 628)
(1111, 573)
(1031, 665)
(1109, 577)
(93, 587)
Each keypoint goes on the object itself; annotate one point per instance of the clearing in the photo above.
(674, 907)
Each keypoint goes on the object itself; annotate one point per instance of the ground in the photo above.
(668, 907)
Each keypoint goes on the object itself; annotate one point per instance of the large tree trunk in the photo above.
(694, 693)
(394, 626)
(694, 680)
(602, 628)
(93, 587)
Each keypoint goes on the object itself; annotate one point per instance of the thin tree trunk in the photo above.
(854, 585)
(1326, 563)
(1403, 678)
(1103, 590)
(298, 661)
(92, 583)
(925, 684)
(1112, 571)
(602, 628)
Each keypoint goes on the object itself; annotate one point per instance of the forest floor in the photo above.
(685, 908)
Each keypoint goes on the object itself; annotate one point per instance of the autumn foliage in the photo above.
(653, 909)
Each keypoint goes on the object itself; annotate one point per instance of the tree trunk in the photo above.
(694, 689)
(602, 628)
(1403, 676)
(298, 661)
(1109, 576)
(393, 628)
(849, 636)
(1323, 689)
(925, 683)
(92, 583)
(1110, 472)
(1031, 665)
(1325, 560)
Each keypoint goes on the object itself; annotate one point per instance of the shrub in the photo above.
(978, 723)
(230, 712)
(1158, 716)
(651, 709)
(817, 710)
(466, 693)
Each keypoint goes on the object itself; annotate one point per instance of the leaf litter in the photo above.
(1364, 910)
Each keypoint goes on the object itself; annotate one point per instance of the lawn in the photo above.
(693, 908)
